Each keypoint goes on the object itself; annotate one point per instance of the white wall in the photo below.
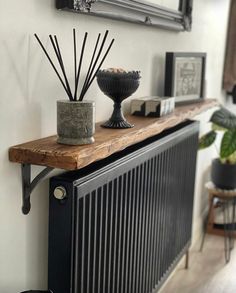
(229, 104)
(29, 90)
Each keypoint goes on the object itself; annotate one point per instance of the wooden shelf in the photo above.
(47, 152)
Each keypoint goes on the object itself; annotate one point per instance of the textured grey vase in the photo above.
(75, 122)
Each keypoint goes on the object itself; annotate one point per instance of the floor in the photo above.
(207, 271)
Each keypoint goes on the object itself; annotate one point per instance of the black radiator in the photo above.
(126, 220)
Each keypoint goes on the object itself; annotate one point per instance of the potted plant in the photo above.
(223, 170)
(76, 117)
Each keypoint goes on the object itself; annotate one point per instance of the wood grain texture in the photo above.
(47, 152)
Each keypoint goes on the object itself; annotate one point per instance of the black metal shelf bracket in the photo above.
(28, 185)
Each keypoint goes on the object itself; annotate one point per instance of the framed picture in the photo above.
(174, 15)
(184, 76)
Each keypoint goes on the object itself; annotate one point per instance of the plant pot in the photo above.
(75, 122)
(223, 175)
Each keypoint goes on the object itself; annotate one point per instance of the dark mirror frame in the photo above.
(136, 11)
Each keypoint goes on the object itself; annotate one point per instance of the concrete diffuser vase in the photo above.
(75, 122)
(75, 117)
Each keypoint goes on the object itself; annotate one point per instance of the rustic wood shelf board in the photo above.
(47, 152)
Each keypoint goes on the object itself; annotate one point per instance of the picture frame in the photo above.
(144, 12)
(185, 76)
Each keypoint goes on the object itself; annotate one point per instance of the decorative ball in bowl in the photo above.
(118, 85)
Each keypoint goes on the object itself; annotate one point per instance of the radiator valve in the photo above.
(59, 192)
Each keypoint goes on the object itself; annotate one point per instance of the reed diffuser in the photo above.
(76, 117)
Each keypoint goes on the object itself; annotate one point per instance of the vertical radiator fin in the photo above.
(130, 224)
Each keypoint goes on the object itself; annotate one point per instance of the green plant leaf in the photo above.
(232, 158)
(224, 118)
(207, 140)
(216, 127)
(228, 144)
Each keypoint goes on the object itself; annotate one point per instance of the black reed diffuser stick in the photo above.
(92, 77)
(92, 69)
(49, 59)
(83, 91)
(91, 63)
(75, 53)
(61, 63)
(79, 67)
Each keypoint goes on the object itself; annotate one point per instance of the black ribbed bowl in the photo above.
(118, 86)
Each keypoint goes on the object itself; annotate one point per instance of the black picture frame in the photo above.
(185, 76)
(137, 11)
